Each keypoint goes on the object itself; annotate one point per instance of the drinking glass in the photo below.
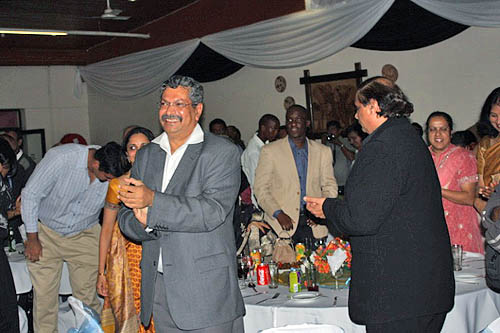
(249, 268)
(338, 274)
(458, 252)
(242, 272)
(273, 273)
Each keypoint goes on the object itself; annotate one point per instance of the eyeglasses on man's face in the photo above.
(176, 105)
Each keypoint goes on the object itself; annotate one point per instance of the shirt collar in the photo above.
(19, 154)
(197, 136)
(294, 146)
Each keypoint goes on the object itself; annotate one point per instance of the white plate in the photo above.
(305, 296)
(468, 255)
(467, 277)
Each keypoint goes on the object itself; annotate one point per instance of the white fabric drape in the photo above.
(289, 41)
(137, 74)
(478, 13)
(301, 38)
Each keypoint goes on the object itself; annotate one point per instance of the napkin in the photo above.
(336, 260)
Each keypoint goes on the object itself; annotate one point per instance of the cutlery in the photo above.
(274, 297)
(258, 293)
(335, 301)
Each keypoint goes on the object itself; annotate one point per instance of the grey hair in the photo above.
(195, 88)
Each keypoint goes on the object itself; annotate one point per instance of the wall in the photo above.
(46, 95)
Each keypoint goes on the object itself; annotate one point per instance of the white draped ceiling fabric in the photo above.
(289, 41)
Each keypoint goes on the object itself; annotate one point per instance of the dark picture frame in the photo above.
(331, 97)
(11, 118)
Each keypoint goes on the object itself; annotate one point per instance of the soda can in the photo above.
(263, 276)
(256, 257)
(294, 281)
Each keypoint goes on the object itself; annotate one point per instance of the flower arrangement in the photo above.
(320, 256)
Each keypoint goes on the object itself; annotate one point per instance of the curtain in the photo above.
(138, 74)
(290, 41)
(301, 38)
(478, 13)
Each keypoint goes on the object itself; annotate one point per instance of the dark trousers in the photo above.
(428, 324)
(9, 319)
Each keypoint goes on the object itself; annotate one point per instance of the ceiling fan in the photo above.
(112, 14)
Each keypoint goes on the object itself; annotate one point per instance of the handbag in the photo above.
(492, 261)
(283, 250)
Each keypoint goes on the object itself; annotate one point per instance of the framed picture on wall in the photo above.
(10, 118)
(331, 97)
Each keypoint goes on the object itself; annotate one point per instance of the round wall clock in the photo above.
(280, 84)
(289, 101)
(390, 72)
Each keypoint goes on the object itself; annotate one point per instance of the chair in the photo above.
(305, 328)
(493, 327)
(23, 320)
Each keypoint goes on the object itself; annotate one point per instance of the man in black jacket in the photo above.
(402, 272)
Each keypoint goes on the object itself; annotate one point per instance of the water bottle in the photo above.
(12, 240)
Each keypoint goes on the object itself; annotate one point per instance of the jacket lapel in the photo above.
(185, 168)
(157, 166)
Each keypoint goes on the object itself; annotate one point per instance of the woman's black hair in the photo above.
(8, 157)
(484, 127)
(137, 130)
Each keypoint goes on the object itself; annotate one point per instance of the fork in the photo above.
(274, 297)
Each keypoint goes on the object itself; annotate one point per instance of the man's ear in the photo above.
(199, 111)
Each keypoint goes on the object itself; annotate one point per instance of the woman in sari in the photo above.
(457, 172)
(119, 279)
(488, 152)
(9, 320)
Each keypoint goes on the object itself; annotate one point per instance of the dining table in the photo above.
(21, 275)
(475, 304)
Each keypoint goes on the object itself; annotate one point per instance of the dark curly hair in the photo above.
(391, 100)
(8, 157)
(484, 126)
(112, 159)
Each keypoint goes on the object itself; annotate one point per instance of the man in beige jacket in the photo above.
(289, 169)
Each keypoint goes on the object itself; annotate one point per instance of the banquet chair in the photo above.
(493, 327)
(76, 317)
(23, 320)
(305, 328)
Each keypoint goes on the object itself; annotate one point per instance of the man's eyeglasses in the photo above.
(177, 105)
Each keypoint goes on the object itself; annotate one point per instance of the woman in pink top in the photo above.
(457, 171)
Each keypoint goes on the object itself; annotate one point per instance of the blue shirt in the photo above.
(300, 156)
(59, 192)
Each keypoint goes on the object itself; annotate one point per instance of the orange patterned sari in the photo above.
(123, 274)
(488, 160)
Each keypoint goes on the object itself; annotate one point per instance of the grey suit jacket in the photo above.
(192, 222)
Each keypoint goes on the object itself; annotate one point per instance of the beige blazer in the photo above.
(277, 182)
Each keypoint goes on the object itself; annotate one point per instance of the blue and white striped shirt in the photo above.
(59, 192)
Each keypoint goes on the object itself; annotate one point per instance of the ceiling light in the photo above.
(32, 32)
(70, 32)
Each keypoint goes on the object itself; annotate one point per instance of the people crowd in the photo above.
(177, 204)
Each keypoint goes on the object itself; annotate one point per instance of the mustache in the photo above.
(166, 117)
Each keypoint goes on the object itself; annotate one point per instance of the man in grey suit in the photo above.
(180, 202)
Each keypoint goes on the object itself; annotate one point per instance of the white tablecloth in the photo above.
(22, 279)
(475, 306)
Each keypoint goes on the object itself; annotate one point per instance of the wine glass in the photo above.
(338, 274)
(242, 271)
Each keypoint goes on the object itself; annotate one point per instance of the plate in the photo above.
(305, 296)
(467, 277)
(468, 255)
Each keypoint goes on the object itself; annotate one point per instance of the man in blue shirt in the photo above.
(60, 208)
(288, 169)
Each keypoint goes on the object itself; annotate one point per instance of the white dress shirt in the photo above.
(173, 160)
(250, 159)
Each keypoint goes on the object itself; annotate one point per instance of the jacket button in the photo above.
(154, 263)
